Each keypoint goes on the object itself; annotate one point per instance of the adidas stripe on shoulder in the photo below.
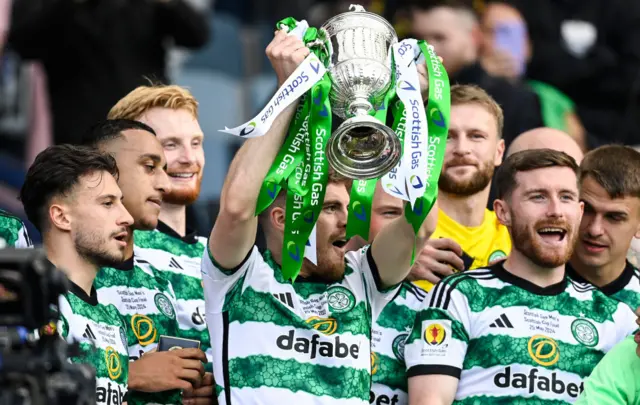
(581, 287)
(417, 292)
(441, 293)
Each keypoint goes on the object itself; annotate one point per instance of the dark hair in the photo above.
(527, 160)
(107, 130)
(615, 167)
(55, 171)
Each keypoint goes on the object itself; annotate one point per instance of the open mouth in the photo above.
(121, 237)
(182, 176)
(552, 234)
(340, 243)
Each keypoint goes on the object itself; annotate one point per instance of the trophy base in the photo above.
(363, 148)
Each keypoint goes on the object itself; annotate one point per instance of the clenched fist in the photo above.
(286, 53)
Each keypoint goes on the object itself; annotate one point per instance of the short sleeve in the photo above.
(440, 336)
(379, 297)
(220, 284)
(615, 378)
(23, 241)
(64, 314)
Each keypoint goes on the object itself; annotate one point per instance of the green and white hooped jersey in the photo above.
(388, 370)
(13, 232)
(101, 332)
(306, 343)
(626, 288)
(178, 259)
(147, 302)
(509, 341)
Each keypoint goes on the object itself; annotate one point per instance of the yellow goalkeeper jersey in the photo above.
(481, 245)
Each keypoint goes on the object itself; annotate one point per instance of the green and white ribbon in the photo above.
(293, 153)
(305, 210)
(408, 90)
(302, 163)
(310, 251)
(362, 191)
(438, 110)
(310, 71)
(360, 202)
(422, 134)
(294, 165)
(293, 27)
(394, 182)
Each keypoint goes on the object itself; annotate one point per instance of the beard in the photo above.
(185, 194)
(92, 247)
(330, 267)
(525, 240)
(478, 181)
(146, 224)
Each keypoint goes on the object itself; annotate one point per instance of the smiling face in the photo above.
(181, 138)
(607, 228)
(543, 215)
(473, 150)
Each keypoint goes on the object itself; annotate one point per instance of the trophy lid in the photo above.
(358, 16)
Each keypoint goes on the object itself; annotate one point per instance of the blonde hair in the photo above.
(144, 98)
(471, 94)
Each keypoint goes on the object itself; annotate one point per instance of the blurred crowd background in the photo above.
(569, 64)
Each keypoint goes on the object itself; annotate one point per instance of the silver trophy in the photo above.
(359, 67)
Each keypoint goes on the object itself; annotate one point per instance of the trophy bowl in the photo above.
(359, 46)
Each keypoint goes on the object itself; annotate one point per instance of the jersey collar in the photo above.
(190, 237)
(613, 287)
(91, 299)
(502, 274)
(126, 265)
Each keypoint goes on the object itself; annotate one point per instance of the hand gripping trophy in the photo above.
(357, 70)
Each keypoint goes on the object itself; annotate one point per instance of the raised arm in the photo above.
(234, 232)
(393, 246)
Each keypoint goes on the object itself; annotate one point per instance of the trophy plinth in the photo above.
(360, 46)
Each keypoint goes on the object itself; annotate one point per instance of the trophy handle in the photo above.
(319, 43)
